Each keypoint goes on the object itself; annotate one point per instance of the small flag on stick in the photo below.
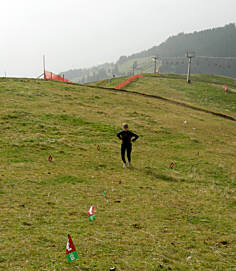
(226, 88)
(91, 213)
(71, 253)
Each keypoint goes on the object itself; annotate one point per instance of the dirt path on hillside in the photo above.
(218, 114)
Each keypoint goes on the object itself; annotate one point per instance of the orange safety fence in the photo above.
(53, 76)
(128, 81)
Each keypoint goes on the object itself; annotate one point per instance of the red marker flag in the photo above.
(71, 253)
(171, 165)
(50, 158)
(225, 88)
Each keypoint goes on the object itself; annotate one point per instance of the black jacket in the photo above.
(126, 137)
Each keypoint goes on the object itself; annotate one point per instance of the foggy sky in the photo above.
(78, 34)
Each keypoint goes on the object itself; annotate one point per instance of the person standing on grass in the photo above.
(127, 138)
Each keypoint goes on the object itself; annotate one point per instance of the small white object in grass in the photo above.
(92, 176)
(185, 122)
(194, 128)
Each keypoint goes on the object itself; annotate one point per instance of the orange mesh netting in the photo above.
(53, 76)
(128, 81)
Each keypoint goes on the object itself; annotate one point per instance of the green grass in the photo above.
(214, 79)
(209, 95)
(157, 218)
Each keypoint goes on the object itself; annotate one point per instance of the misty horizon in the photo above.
(78, 34)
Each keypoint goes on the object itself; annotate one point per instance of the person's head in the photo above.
(125, 127)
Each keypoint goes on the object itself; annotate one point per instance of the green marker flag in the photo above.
(91, 213)
(91, 218)
(71, 253)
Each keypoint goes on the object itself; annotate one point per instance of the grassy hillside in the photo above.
(153, 218)
(205, 91)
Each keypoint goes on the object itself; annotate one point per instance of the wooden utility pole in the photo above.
(189, 56)
(155, 64)
(44, 67)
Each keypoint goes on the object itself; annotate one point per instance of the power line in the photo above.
(217, 57)
(148, 66)
(210, 57)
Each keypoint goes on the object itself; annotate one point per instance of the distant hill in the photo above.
(218, 44)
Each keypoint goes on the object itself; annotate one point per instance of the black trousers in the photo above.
(124, 148)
